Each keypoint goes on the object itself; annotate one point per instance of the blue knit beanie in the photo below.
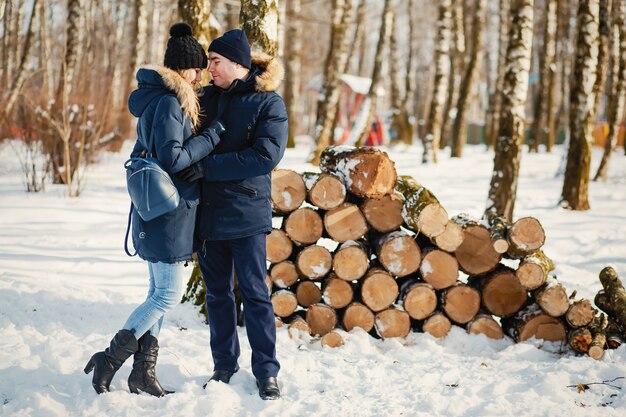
(234, 46)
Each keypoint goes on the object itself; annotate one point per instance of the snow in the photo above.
(66, 287)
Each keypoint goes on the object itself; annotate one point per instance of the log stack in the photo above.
(359, 246)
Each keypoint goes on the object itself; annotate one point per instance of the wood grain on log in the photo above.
(321, 318)
(418, 299)
(365, 171)
(580, 339)
(421, 210)
(297, 327)
(615, 292)
(525, 235)
(358, 315)
(476, 255)
(308, 293)
(501, 292)
(351, 260)
(304, 226)
(278, 246)
(324, 191)
(283, 274)
(580, 313)
(314, 262)
(398, 253)
(437, 325)
(598, 332)
(332, 339)
(532, 321)
(439, 269)
(392, 322)
(384, 214)
(552, 298)
(336, 292)
(378, 289)
(451, 238)
(533, 270)
(485, 324)
(284, 303)
(460, 302)
(345, 222)
(498, 226)
(288, 190)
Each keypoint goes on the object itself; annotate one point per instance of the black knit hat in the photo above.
(233, 45)
(183, 50)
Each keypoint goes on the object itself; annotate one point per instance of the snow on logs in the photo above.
(360, 247)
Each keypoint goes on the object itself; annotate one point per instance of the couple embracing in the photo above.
(219, 143)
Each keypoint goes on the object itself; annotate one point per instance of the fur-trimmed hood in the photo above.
(152, 80)
(271, 73)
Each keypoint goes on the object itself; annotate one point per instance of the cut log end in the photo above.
(531, 275)
(433, 220)
(580, 313)
(487, 325)
(304, 226)
(308, 293)
(358, 315)
(437, 325)
(283, 274)
(451, 238)
(503, 295)
(400, 255)
(461, 303)
(284, 303)
(439, 269)
(384, 214)
(420, 301)
(314, 262)
(337, 293)
(392, 323)
(379, 290)
(288, 190)
(298, 327)
(345, 222)
(278, 246)
(332, 340)
(327, 193)
(350, 263)
(321, 319)
(476, 255)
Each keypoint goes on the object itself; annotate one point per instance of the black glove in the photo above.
(192, 173)
(217, 126)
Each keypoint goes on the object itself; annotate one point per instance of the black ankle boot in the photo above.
(143, 376)
(108, 362)
(268, 388)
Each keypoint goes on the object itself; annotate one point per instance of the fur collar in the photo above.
(272, 72)
(184, 92)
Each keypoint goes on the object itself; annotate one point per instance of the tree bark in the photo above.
(503, 187)
(260, 22)
(533, 322)
(293, 48)
(421, 211)
(604, 54)
(575, 194)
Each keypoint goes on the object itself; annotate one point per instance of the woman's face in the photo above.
(192, 75)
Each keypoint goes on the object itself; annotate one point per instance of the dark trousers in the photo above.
(245, 256)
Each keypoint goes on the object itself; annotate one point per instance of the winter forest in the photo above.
(486, 279)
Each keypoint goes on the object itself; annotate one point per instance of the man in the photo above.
(235, 213)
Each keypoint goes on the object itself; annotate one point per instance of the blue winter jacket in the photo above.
(157, 103)
(236, 191)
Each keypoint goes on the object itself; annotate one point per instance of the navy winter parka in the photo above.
(167, 107)
(236, 191)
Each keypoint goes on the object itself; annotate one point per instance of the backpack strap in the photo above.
(130, 215)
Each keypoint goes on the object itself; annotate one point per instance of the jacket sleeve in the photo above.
(173, 150)
(262, 157)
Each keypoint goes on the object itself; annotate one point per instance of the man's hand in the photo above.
(192, 173)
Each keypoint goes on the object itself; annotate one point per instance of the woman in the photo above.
(167, 107)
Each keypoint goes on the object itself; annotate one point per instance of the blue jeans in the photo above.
(166, 290)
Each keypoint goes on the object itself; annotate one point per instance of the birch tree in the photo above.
(504, 180)
(604, 27)
(260, 22)
(196, 13)
(370, 102)
(293, 46)
(576, 182)
(617, 93)
(442, 71)
(543, 119)
(459, 135)
(335, 61)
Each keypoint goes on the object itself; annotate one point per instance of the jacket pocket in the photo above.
(244, 189)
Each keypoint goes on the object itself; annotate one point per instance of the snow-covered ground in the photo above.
(66, 287)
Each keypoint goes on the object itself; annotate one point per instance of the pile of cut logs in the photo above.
(360, 247)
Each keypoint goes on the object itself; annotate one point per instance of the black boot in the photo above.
(108, 362)
(143, 376)
(268, 388)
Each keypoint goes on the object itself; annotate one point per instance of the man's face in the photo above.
(223, 70)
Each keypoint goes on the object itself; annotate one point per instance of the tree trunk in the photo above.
(492, 122)
(503, 187)
(575, 194)
(459, 130)
(604, 53)
(543, 118)
(293, 48)
(288, 190)
(617, 93)
(366, 172)
(331, 88)
(442, 71)
(421, 211)
(399, 115)
(260, 22)
(377, 75)
(565, 48)
(197, 14)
